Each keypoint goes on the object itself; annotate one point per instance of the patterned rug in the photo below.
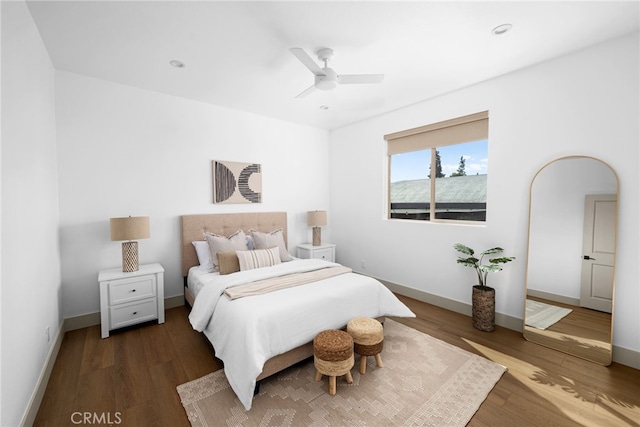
(424, 381)
(540, 315)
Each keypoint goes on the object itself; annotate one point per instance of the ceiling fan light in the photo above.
(328, 81)
(323, 83)
(326, 78)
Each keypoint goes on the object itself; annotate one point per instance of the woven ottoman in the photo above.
(368, 338)
(333, 356)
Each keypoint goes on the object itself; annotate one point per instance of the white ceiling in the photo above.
(237, 53)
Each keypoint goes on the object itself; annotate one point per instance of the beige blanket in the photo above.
(296, 279)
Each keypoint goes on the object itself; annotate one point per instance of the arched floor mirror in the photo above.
(573, 209)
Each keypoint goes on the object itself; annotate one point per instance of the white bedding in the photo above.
(197, 277)
(246, 332)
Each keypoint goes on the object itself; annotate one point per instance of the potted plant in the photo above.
(483, 305)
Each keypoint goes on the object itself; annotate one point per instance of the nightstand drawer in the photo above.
(325, 251)
(133, 289)
(129, 314)
(326, 254)
(127, 298)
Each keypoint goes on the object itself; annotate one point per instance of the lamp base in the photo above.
(316, 236)
(130, 256)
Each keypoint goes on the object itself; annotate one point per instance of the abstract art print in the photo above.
(235, 182)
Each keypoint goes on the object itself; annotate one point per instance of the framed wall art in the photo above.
(235, 182)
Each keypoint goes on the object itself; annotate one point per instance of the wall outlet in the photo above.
(47, 335)
(363, 264)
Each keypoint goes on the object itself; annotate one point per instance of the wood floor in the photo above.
(584, 332)
(130, 378)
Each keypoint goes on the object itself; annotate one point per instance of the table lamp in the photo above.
(316, 219)
(130, 229)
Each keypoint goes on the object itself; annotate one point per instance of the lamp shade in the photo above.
(130, 228)
(317, 218)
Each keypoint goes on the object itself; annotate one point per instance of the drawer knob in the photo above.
(135, 312)
(133, 290)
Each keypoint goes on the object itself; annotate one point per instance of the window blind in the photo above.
(473, 127)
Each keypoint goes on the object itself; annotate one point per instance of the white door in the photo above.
(599, 244)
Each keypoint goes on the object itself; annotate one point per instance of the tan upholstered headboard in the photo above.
(226, 224)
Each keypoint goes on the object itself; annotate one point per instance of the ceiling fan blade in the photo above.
(360, 78)
(307, 61)
(306, 92)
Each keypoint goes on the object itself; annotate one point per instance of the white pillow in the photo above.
(204, 255)
(235, 242)
(268, 240)
(258, 258)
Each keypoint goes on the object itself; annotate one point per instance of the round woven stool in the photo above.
(333, 356)
(368, 338)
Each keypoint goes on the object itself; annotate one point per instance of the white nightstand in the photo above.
(130, 298)
(326, 251)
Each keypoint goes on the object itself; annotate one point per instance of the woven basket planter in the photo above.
(483, 308)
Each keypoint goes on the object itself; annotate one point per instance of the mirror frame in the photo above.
(615, 242)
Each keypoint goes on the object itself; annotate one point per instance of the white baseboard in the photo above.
(172, 302)
(29, 416)
(621, 355)
(553, 297)
(627, 357)
(459, 307)
(69, 324)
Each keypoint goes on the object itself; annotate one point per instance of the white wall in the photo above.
(581, 104)
(126, 151)
(31, 288)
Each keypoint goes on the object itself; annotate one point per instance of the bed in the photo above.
(258, 336)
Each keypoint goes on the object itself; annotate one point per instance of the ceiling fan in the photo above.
(326, 78)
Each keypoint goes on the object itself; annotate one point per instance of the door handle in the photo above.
(587, 257)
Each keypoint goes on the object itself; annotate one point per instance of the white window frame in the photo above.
(473, 127)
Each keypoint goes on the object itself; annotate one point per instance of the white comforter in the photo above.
(246, 332)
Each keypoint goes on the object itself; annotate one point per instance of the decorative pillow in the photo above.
(267, 240)
(228, 262)
(258, 258)
(235, 242)
(204, 255)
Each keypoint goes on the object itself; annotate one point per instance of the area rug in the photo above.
(424, 381)
(540, 315)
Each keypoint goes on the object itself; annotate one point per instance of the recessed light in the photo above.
(176, 63)
(501, 29)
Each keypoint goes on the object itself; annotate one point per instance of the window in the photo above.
(442, 165)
